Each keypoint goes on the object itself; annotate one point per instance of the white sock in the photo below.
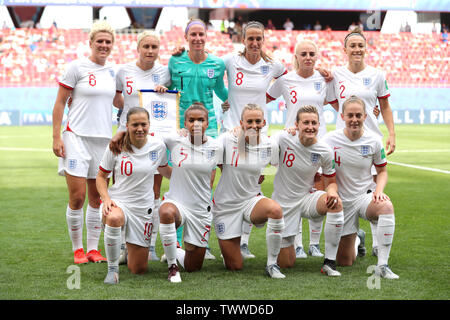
(373, 227)
(180, 256)
(385, 235)
(246, 230)
(273, 239)
(298, 242)
(155, 223)
(315, 229)
(93, 228)
(168, 235)
(74, 220)
(357, 242)
(333, 230)
(113, 241)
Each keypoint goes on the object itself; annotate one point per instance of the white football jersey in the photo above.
(298, 166)
(298, 91)
(353, 161)
(133, 173)
(368, 85)
(93, 90)
(240, 174)
(190, 183)
(248, 83)
(131, 79)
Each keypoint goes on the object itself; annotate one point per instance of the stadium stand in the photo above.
(37, 57)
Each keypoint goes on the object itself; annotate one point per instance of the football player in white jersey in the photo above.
(356, 149)
(188, 201)
(249, 74)
(128, 204)
(300, 158)
(370, 85)
(236, 196)
(301, 87)
(145, 73)
(90, 83)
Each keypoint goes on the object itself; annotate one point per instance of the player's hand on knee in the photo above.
(379, 197)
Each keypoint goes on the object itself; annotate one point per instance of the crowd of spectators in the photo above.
(37, 57)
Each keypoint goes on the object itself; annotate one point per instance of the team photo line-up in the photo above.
(336, 177)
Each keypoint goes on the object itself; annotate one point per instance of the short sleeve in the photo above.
(165, 77)
(328, 164)
(108, 161)
(330, 93)
(275, 89)
(70, 77)
(163, 157)
(275, 152)
(379, 156)
(221, 142)
(119, 77)
(279, 69)
(382, 87)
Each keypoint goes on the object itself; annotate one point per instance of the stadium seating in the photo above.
(37, 57)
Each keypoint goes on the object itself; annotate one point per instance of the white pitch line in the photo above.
(419, 167)
(423, 150)
(25, 149)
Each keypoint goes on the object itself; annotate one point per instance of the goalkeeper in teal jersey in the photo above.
(197, 75)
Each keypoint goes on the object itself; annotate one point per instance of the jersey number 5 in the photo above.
(129, 87)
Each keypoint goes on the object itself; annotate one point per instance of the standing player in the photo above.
(301, 87)
(188, 201)
(128, 204)
(144, 73)
(300, 158)
(90, 82)
(236, 196)
(356, 150)
(370, 85)
(198, 74)
(249, 73)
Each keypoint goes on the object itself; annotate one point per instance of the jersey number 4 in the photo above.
(337, 160)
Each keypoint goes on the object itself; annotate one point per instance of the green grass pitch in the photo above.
(36, 261)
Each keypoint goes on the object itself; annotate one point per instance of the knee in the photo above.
(233, 266)
(115, 219)
(345, 261)
(137, 269)
(275, 211)
(167, 214)
(76, 199)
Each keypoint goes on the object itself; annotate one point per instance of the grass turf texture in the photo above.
(36, 250)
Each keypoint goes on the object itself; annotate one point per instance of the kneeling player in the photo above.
(355, 151)
(301, 156)
(128, 203)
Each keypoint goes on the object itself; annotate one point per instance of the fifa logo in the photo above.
(373, 20)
